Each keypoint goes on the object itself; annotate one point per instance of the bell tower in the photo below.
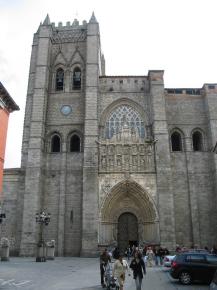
(60, 134)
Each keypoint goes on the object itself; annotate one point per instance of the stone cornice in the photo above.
(6, 101)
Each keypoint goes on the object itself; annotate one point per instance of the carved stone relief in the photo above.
(120, 157)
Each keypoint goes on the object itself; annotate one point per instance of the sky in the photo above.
(177, 36)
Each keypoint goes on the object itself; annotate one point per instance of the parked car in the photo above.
(213, 285)
(167, 261)
(193, 266)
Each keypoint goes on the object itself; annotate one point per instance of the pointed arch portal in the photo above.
(128, 214)
(127, 230)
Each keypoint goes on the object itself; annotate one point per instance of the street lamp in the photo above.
(2, 215)
(43, 219)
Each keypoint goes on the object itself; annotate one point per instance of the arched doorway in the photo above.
(127, 230)
(127, 204)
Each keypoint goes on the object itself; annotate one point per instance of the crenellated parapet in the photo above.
(71, 32)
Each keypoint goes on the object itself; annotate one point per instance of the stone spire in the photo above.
(47, 20)
(93, 18)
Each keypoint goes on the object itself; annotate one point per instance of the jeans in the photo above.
(102, 272)
(158, 260)
(138, 281)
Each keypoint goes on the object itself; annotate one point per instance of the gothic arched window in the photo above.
(77, 78)
(176, 141)
(197, 141)
(59, 79)
(75, 143)
(121, 116)
(55, 144)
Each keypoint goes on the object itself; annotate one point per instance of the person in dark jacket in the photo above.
(116, 253)
(138, 267)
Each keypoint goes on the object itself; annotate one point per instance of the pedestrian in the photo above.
(133, 250)
(144, 253)
(138, 267)
(214, 250)
(206, 248)
(104, 260)
(150, 257)
(116, 253)
(178, 249)
(161, 254)
(166, 252)
(119, 270)
(157, 256)
(128, 252)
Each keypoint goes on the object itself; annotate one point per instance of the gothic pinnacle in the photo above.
(93, 18)
(47, 20)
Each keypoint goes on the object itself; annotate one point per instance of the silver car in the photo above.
(213, 285)
(167, 261)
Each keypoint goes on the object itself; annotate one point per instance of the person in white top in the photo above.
(119, 271)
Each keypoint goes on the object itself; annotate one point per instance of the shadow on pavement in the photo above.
(90, 288)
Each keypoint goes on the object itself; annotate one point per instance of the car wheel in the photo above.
(185, 278)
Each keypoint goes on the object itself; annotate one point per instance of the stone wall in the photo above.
(192, 171)
(11, 226)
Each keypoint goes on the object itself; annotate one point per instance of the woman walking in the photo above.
(119, 270)
(138, 267)
(150, 257)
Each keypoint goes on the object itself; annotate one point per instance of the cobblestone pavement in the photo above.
(75, 274)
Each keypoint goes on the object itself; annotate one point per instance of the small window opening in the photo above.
(75, 144)
(176, 141)
(197, 141)
(55, 144)
(77, 79)
(59, 79)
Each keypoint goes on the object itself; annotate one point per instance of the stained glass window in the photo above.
(124, 115)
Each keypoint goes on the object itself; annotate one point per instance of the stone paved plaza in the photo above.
(75, 274)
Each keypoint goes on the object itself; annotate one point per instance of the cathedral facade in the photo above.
(116, 160)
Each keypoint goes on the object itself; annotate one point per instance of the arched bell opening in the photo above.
(130, 202)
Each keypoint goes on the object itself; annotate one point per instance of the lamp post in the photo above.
(43, 219)
(2, 214)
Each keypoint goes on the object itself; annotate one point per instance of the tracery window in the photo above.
(124, 115)
(59, 79)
